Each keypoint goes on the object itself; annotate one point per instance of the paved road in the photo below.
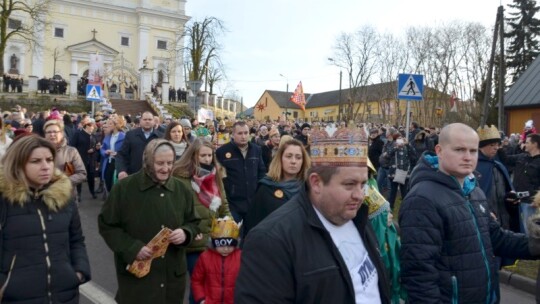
(103, 285)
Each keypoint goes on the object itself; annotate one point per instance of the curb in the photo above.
(517, 281)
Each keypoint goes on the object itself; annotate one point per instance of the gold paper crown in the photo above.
(347, 147)
(376, 202)
(224, 228)
(486, 133)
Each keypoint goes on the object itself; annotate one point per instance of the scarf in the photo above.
(179, 148)
(289, 188)
(205, 185)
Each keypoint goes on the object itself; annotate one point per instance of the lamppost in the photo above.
(340, 78)
(286, 111)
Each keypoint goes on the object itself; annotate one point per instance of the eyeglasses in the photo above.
(52, 132)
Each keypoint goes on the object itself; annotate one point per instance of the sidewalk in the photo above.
(517, 281)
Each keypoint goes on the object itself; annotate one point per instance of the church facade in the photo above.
(129, 34)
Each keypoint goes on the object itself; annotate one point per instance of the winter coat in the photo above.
(82, 141)
(242, 174)
(214, 277)
(106, 145)
(449, 240)
(135, 211)
(43, 230)
(403, 158)
(290, 258)
(66, 154)
(526, 173)
(129, 157)
(205, 215)
(375, 150)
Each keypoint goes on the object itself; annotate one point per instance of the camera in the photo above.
(522, 194)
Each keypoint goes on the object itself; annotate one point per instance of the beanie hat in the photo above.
(305, 125)
(224, 232)
(185, 123)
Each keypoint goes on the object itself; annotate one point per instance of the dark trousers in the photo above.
(109, 174)
(393, 192)
(90, 175)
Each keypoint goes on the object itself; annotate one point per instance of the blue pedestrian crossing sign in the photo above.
(410, 86)
(93, 92)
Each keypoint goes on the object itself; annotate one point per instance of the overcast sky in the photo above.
(295, 37)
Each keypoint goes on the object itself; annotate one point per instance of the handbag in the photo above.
(69, 169)
(401, 175)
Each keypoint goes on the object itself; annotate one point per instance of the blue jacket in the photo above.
(243, 174)
(449, 240)
(106, 145)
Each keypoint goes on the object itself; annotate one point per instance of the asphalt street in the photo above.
(103, 285)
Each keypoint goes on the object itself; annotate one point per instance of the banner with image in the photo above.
(96, 69)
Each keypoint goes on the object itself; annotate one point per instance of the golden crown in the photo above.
(224, 228)
(486, 133)
(347, 147)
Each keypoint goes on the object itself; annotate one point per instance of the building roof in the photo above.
(526, 90)
(374, 92)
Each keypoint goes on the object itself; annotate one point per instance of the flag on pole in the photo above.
(298, 97)
(453, 102)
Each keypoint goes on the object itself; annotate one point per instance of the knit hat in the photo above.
(305, 125)
(224, 232)
(185, 123)
(488, 135)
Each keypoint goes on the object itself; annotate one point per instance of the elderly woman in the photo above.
(41, 234)
(138, 207)
(197, 169)
(286, 175)
(67, 158)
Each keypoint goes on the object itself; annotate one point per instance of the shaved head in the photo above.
(446, 133)
(457, 151)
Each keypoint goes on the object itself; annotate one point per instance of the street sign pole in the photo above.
(410, 87)
(408, 120)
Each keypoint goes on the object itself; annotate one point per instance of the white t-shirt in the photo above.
(361, 269)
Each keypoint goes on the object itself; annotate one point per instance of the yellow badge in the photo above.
(278, 194)
(228, 155)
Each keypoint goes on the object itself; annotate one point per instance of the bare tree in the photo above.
(24, 20)
(356, 54)
(57, 55)
(202, 46)
(215, 74)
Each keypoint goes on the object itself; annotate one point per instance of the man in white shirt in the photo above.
(319, 247)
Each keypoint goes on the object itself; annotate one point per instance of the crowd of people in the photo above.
(265, 212)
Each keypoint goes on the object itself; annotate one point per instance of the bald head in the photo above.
(448, 132)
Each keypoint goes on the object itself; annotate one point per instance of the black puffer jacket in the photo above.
(526, 172)
(44, 232)
(449, 240)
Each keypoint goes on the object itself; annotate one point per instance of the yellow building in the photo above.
(379, 105)
(125, 32)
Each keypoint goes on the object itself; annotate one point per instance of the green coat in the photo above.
(206, 216)
(133, 214)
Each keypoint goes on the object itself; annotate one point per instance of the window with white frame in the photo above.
(59, 32)
(124, 41)
(162, 44)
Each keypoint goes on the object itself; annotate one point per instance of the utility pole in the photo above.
(498, 33)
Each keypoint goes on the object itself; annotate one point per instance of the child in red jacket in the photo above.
(215, 272)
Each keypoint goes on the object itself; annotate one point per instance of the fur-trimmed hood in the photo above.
(56, 195)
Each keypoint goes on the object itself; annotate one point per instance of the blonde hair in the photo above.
(275, 171)
(54, 122)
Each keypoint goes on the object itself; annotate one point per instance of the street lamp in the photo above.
(340, 78)
(287, 78)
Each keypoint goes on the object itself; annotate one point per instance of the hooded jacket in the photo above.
(449, 240)
(43, 230)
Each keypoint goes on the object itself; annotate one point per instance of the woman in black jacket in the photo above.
(43, 255)
(286, 175)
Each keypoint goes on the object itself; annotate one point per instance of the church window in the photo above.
(162, 44)
(58, 32)
(124, 41)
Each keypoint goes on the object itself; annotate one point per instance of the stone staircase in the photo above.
(133, 107)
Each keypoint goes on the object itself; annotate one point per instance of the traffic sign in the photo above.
(93, 92)
(410, 86)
